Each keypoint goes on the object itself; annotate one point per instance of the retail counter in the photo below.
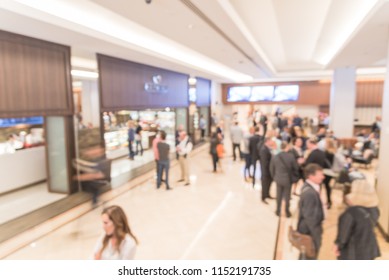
(22, 168)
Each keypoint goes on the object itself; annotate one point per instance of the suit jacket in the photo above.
(253, 146)
(282, 167)
(319, 157)
(311, 214)
(356, 238)
(265, 159)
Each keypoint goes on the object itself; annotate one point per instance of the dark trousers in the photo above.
(247, 166)
(266, 182)
(139, 143)
(283, 193)
(163, 165)
(234, 146)
(156, 170)
(202, 133)
(327, 180)
(215, 159)
(254, 162)
(130, 149)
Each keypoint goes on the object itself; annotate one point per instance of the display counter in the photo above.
(22, 168)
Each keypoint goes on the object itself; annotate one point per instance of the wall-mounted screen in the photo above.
(262, 93)
(286, 93)
(282, 93)
(21, 121)
(239, 94)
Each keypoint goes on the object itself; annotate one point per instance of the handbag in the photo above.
(302, 242)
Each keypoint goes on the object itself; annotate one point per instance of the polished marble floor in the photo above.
(218, 216)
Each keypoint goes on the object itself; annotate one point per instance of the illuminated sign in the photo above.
(155, 86)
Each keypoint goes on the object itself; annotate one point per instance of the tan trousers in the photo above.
(184, 165)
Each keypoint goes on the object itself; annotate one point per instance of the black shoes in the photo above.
(181, 180)
(187, 184)
(264, 201)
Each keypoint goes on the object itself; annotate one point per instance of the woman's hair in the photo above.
(330, 145)
(119, 219)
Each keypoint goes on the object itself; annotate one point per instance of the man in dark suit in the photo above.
(311, 214)
(284, 168)
(316, 155)
(265, 159)
(253, 149)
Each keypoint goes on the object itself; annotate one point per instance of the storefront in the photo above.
(36, 108)
(149, 97)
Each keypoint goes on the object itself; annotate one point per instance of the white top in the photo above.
(185, 147)
(127, 249)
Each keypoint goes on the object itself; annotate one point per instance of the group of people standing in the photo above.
(287, 156)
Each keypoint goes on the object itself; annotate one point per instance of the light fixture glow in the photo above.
(84, 74)
(344, 31)
(192, 81)
(93, 20)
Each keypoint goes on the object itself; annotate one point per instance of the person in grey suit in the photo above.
(311, 213)
(283, 169)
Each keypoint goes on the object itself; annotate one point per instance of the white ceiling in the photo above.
(224, 40)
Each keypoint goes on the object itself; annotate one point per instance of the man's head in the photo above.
(312, 143)
(162, 134)
(284, 146)
(314, 172)
(182, 135)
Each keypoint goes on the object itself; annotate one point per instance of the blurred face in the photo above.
(108, 225)
(317, 178)
(299, 142)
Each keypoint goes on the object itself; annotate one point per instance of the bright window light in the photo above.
(84, 74)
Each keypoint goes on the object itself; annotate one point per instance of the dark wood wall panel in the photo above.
(203, 92)
(34, 77)
(122, 85)
(369, 93)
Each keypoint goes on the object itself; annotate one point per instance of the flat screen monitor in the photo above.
(239, 94)
(21, 121)
(286, 93)
(262, 93)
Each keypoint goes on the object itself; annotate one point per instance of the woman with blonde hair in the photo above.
(118, 242)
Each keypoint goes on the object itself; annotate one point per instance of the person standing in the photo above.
(236, 134)
(253, 149)
(316, 155)
(131, 139)
(202, 126)
(138, 139)
(213, 150)
(163, 160)
(263, 121)
(265, 156)
(356, 239)
(311, 212)
(184, 148)
(284, 170)
(246, 153)
(118, 242)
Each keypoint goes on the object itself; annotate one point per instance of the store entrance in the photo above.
(23, 167)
